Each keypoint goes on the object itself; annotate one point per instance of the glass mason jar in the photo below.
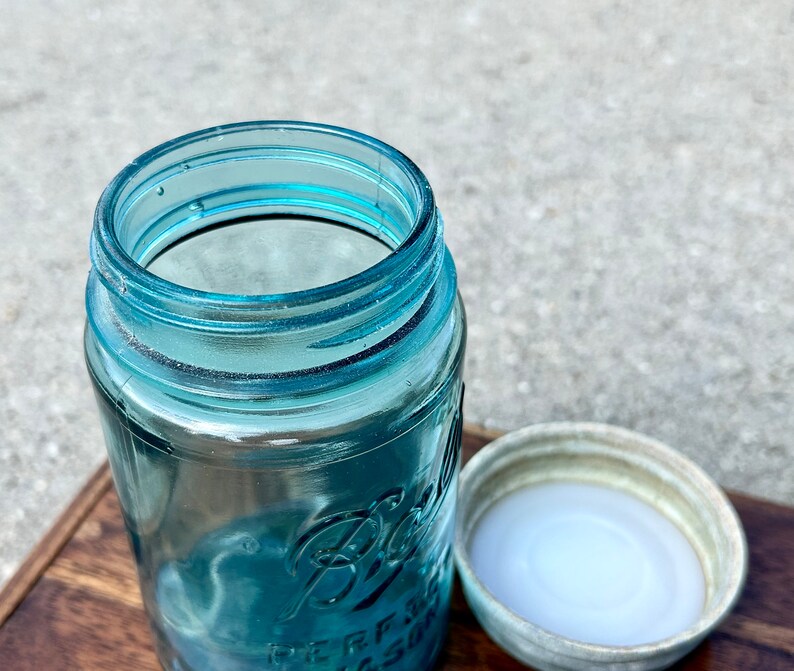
(275, 340)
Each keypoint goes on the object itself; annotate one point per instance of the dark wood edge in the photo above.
(48, 547)
(480, 433)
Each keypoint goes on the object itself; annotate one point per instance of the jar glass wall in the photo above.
(275, 339)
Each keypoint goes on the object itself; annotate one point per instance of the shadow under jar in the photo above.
(275, 339)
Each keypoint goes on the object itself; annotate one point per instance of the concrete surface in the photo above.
(617, 180)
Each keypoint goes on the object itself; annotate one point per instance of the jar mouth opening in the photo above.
(129, 196)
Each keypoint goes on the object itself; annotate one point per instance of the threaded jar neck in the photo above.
(188, 186)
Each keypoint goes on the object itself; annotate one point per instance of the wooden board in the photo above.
(75, 605)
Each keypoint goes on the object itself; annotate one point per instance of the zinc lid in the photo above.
(590, 546)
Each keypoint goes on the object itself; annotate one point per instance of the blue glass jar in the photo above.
(275, 339)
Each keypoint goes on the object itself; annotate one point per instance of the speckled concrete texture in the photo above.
(617, 181)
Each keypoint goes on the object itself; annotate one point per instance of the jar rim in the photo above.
(129, 272)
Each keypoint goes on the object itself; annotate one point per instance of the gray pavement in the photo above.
(617, 181)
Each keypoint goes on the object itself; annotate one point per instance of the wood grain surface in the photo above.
(75, 605)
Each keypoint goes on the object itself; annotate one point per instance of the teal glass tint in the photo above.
(275, 339)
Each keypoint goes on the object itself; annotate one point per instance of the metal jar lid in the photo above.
(632, 464)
